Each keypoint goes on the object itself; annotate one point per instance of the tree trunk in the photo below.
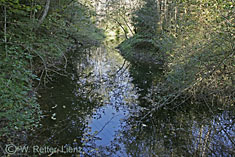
(176, 22)
(5, 29)
(165, 14)
(45, 12)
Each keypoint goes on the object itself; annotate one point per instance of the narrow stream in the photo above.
(99, 111)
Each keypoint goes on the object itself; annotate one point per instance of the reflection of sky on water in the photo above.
(104, 99)
(107, 125)
(117, 90)
(214, 133)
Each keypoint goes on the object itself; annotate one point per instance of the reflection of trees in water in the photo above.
(70, 102)
(144, 77)
(193, 130)
(66, 104)
(181, 132)
(186, 131)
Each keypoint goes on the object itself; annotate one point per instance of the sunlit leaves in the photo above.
(18, 7)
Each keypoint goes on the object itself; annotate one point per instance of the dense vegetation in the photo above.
(190, 44)
(194, 42)
(35, 40)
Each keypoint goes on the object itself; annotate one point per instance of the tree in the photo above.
(145, 20)
(36, 38)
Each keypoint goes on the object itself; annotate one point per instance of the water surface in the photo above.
(101, 109)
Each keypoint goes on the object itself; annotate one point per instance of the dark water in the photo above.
(101, 111)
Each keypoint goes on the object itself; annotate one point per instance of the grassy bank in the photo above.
(141, 49)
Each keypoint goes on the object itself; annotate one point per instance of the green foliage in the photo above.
(145, 20)
(196, 39)
(18, 107)
(203, 46)
(138, 42)
(142, 49)
(31, 53)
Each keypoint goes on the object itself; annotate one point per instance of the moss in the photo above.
(141, 49)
